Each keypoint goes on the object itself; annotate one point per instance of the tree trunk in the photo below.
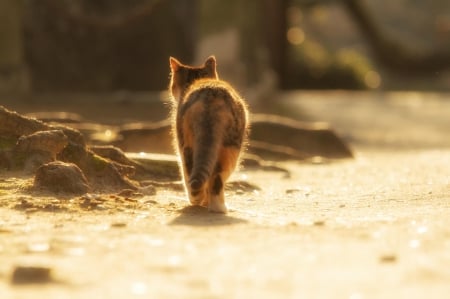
(13, 76)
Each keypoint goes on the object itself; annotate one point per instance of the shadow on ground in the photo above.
(199, 216)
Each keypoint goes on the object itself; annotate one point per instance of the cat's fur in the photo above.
(210, 124)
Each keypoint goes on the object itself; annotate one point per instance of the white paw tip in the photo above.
(218, 207)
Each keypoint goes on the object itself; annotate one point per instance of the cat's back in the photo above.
(214, 104)
(210, 89)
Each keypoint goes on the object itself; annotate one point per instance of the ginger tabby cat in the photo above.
(210, 126)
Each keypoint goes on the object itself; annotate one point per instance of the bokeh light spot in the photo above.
(295, 36)
(372, 79)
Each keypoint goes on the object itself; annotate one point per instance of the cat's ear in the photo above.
(210, 65)
(174, 64)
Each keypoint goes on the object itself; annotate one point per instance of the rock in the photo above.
(32, 151)
(156, 166)
(271, 137)
(52, 141)
(112, 153)
(31, 275)
(60, 177)
(74, 135)
(292, 191)
(106, 175)
(14, 124)
(309, 139)
(251, 161)
(59, 116)
(27, 143)
(102, 174)
(275, 152)
(146, 137)
(118, 225)
(388, 258)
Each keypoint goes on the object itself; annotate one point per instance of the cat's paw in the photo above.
(217, 206)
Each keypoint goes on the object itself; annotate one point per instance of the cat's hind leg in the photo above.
(217, 196)
(226, 164)
(195, 196)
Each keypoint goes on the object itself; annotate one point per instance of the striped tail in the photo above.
(206, 151)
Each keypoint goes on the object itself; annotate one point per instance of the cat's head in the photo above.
(182, 76)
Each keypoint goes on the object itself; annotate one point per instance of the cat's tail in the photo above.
(207, 143)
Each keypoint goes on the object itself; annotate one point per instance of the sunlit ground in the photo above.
(373, 227)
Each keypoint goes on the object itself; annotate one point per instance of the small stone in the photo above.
(388, 258)
(241, 186)
(130, 199)
(291, 191)
(31, 275)
(130, 193)
(239, 192)
(118, 224)
(319, 223)
(148, 190)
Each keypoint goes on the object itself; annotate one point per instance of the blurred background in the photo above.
(117, 45)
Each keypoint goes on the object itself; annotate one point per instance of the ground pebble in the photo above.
(31, 275)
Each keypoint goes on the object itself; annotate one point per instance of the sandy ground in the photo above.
(377, 226)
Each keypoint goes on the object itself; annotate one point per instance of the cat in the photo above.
(210, 128)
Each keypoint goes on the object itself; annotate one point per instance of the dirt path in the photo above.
(374, 227)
